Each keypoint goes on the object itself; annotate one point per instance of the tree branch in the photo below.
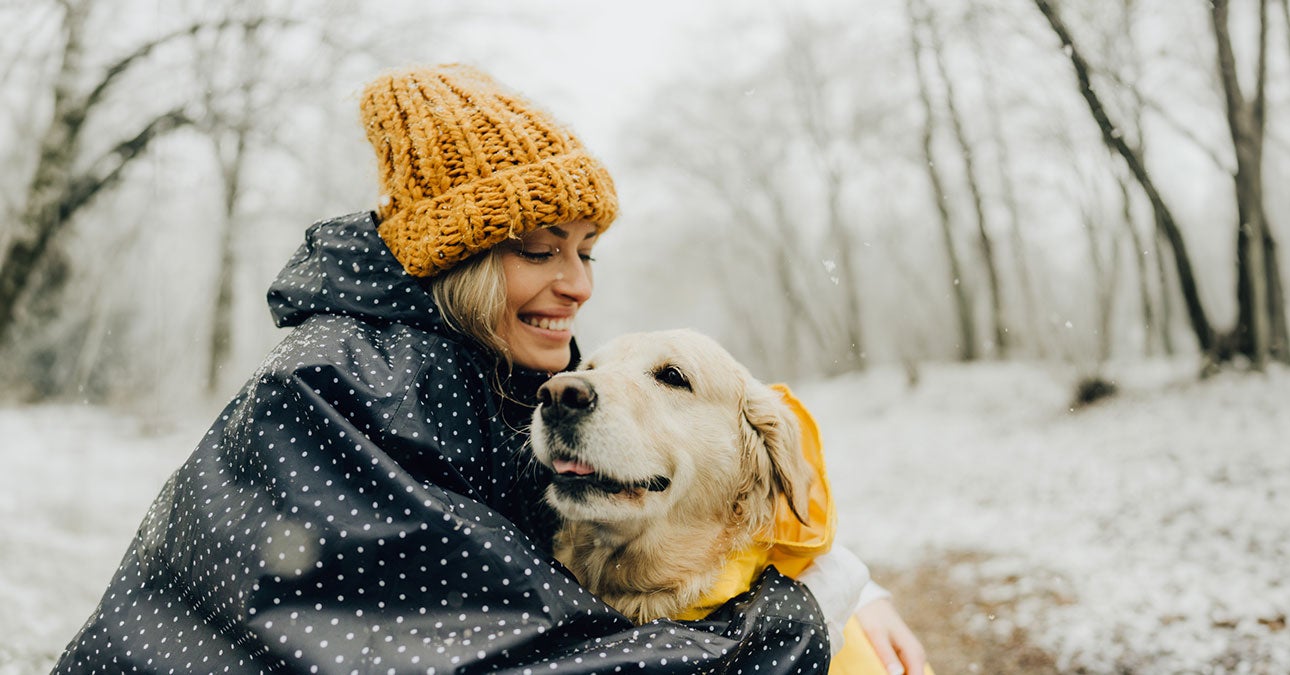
(1231, 85)
(123, 65)
(25, 36)
(83, 188)
(1174, 123)
(1115, 140)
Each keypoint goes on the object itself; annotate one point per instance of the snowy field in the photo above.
(1147, 534)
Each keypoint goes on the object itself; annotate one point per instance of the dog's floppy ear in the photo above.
(772, 446)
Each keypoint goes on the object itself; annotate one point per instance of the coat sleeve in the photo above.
(336, 518)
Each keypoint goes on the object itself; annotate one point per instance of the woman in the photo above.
(363, 504)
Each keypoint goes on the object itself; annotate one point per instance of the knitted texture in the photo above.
(465, 164)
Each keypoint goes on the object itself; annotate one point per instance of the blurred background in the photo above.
(821, 185)
(828, 187)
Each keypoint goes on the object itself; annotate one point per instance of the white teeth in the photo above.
(549, 324)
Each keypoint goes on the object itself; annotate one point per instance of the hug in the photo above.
(373, 499)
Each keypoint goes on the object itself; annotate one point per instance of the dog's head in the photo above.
(668, 424)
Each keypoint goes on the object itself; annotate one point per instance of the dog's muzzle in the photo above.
(563, 401)
(564, 398)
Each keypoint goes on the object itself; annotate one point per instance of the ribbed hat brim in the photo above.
(432, 235)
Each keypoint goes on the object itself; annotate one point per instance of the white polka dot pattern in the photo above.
(354, 510)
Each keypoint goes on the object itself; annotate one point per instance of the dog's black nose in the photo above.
(565, 396)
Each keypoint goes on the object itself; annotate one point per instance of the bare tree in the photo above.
(68, 175)
(1004, 172)
(970, 174)
(744, 176)
(1145, 303)
(1098, 217)
(1163, 285)
(808, 84)
(64, 180)
(1113, 137)
(1155, 329)
(1106, 278)
(29, 26)
(229, 122)
(777, 155)
(963, 307)
(236, 96)
(244, 100)
(1260, 329)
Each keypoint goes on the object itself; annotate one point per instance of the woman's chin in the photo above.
(551, 360)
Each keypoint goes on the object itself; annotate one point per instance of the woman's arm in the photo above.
(839, 581)
(843, 587)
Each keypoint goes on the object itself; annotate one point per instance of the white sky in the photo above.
(593, 62)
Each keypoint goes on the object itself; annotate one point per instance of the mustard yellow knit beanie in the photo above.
(465, 164)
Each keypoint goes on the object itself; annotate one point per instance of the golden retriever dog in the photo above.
(668, 457)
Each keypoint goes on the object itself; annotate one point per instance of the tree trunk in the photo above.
(1257, 271)
(792, 260)
(1279, 333)
(235, 127)
(849, 279)
(772, 233)
(52, 179)
(63, 182)
(971, 172)
(1166, 321)
(1285, 14)
(1003, 161)
(784, 249)
(808, 88)
(1149, 330)
(962, 306)
(1105, 279)
(1111, 135)
(966, 320)
(1151, 333)
(221, 343)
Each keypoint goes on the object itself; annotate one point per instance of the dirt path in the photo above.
(958, 626)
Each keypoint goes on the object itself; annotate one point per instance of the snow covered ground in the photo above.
(1147, 534)
(74, 484)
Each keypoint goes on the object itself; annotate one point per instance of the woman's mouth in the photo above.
(561, 324)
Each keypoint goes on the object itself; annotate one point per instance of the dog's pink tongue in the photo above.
(573, 467)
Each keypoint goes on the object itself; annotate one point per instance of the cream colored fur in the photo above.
(727, 445)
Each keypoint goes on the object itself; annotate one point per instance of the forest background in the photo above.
(833, 189)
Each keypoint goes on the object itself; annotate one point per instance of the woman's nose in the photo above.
(573, 281)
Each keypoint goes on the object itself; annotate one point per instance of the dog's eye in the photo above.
(673, 377)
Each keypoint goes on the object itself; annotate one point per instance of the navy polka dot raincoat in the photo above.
(365, 505)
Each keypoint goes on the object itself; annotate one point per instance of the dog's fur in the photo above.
(668, 456)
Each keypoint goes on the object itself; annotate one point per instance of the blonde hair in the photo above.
(472, 298)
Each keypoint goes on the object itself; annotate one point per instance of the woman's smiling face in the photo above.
(548, 278)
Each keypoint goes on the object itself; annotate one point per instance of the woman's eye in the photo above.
(535, 252)
(586, 256)
(673, 377)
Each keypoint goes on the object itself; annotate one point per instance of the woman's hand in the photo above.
(891, 638)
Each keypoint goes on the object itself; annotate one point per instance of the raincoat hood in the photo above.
(366, 504)
(345, 268)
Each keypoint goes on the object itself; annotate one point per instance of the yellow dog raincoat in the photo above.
(790, 546)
